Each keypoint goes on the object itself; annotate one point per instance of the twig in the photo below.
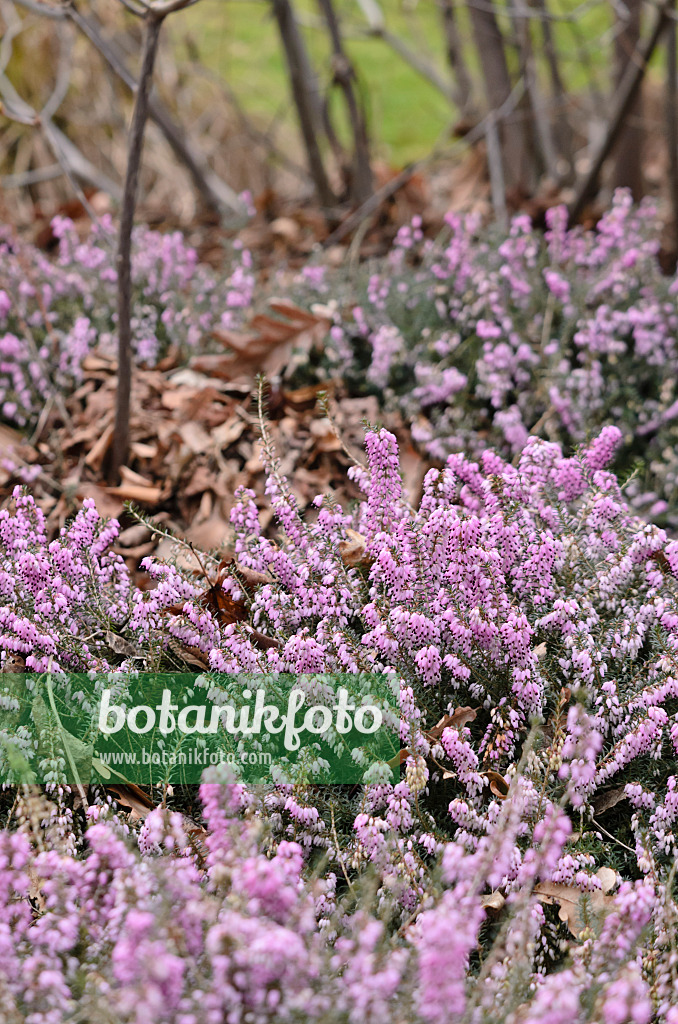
(71, 160)
(610, 836)
(120, 444)
(339, 855)
(672, 125)
(218, 196)
(541, 122)
(456, 58)
(63, 76)
(263, 138)
(44, 10)
(497, 183)
(67, 749)
(396, 183)
(623, 100)
(33, 177)
(344, 76)
(304, 92)
(154, 18)
(411, 57)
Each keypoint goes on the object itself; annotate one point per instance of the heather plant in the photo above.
(54, 312)
(522, 868)
(158, 927)
(481, 339)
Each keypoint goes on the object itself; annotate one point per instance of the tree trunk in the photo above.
(516, 155)
(456, 59)
(120, 444)
(672, 133)
(305, 95)
(360, 184)
(628, 164)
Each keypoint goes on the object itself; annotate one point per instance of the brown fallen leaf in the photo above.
(107, 504)
(135, 492)
(457, 720)
(221, 605)
(132, 797)
(399, 758)
(129, 476)
(568, 899)
(35, 892)
(499, 787)
(95, 455)
(94, 362)
(122, 646)
(493, 902)
(263, 642)
(352, 551)
(193, 435)
(210, 535)
(134, 535)
(607, 799)
(250, 577)
(267, 345)
(143, 450)
(304, 399)
(192, 656)
(228, 433)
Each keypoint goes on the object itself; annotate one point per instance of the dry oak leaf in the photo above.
(457, 720)
(568, 899)
(499, 787)
(268, 345)
(493, 902)
(607, 799)
(352, 551)
(133, 798)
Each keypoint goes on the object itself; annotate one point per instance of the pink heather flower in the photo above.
(601, 451)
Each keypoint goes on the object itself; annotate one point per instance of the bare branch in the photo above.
(44, 10)
(456, 58)
(672, 126)
(63, 75)
(161, 10)
(497, 183)
(490, 44)
(218, 196)
(154, 21)
(393, 186)
(541, 121)
(124, 259)
(344, 76)
(304, 92)
(622, 103)
(139, 11)
(72, 162)
(31, 177)
(13, 27)
(411, 57)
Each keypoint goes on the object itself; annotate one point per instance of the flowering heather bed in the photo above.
(523, 868)
(60, 310)
(480, 339)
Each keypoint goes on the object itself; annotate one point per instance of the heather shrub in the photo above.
(480, 339)
(53, 313)
(155, 927)
(477, 338)
(523, 867)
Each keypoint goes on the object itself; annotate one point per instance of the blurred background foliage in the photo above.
(489, 105)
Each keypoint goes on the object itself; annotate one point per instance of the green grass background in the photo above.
(407, 115)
